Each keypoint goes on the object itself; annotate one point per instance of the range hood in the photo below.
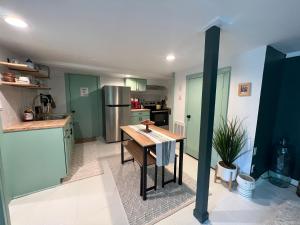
(156, 87)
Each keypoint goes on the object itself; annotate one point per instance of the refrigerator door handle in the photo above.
(118, 105)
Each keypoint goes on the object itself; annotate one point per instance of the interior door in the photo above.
(84, 103)
(193, 113)
(221, 107)
(193, 110)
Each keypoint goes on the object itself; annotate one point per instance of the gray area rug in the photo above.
(81, 169)
(287, 213)
(160, 203)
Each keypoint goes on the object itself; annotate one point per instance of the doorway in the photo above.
(83, 101)
(194, 87)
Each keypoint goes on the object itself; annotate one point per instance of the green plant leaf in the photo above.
(229, 139)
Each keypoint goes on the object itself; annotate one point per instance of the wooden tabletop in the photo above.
(144, 141)
(37, 125)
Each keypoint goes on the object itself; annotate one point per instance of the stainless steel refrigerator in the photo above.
(116, 111)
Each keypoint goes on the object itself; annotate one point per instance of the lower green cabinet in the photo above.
(36, 159)
(138, 116)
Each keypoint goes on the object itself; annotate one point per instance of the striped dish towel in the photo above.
(165, 146)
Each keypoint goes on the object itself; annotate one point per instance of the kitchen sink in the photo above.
(52, 117)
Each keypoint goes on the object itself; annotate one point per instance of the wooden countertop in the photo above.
(140, 110)
(37, 125)
(144, 141)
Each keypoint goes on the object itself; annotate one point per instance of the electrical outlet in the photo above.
(252, 168)
(254, 151)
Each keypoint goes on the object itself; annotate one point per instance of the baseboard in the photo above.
(292, 182)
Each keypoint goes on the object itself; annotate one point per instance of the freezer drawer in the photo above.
(116, 116)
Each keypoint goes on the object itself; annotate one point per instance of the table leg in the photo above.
(144, 174)
(122, 147)
(180, 162)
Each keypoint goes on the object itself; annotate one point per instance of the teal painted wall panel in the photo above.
(34, 160)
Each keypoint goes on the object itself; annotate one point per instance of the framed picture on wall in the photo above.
(244, 89)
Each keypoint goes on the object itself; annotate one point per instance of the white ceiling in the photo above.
(134, 36)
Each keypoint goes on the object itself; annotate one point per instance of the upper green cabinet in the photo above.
(136, 84)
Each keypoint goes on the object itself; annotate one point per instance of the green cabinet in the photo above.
(36, 159)
(4, 189)
(138, 116)
(136, 84)
(68, 145)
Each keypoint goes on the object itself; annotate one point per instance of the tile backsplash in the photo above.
(13, 100)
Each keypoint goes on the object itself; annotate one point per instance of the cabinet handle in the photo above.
(71, 131)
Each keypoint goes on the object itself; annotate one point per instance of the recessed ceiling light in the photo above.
(170, 57)
(127, 75)
(15, 22)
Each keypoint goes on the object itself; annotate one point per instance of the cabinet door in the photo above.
(146, 117)
(134, 120)
(141, 84)
(129, 82)
(34, 160)
(68, 146)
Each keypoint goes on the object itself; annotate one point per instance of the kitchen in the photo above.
(43, 122)
(117, 112)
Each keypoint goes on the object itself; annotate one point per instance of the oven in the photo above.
(160, 117)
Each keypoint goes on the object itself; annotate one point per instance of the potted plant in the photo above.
(229, 139)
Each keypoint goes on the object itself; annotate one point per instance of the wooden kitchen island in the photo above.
(146, 143)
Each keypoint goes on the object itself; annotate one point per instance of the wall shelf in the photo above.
(30, 86)
(25, 69)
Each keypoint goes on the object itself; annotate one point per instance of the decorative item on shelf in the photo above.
(147, 123)
(229, 139)
(8, 77)
(244, 89)
(23, 80)
(298, 190)
(29, 63)
(158, 106)
(28, 114)
(280, 166)
(246, 185)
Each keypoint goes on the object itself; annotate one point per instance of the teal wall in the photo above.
(270, 91)
(288, 112)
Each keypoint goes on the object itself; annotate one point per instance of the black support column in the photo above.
(210, 70)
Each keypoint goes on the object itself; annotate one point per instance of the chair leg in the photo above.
(175, 168)
(155, 178)
(163, 177)
(141, 182)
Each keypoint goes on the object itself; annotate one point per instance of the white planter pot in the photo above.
(225, 173)
(246, 185)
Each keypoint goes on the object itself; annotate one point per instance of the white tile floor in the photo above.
(95, 201)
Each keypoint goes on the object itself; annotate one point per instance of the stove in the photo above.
(159, 116)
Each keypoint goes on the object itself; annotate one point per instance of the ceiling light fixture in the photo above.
(170, 57)
(16, 22)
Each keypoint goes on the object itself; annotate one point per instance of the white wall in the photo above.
(247, 67)
(13, 100)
